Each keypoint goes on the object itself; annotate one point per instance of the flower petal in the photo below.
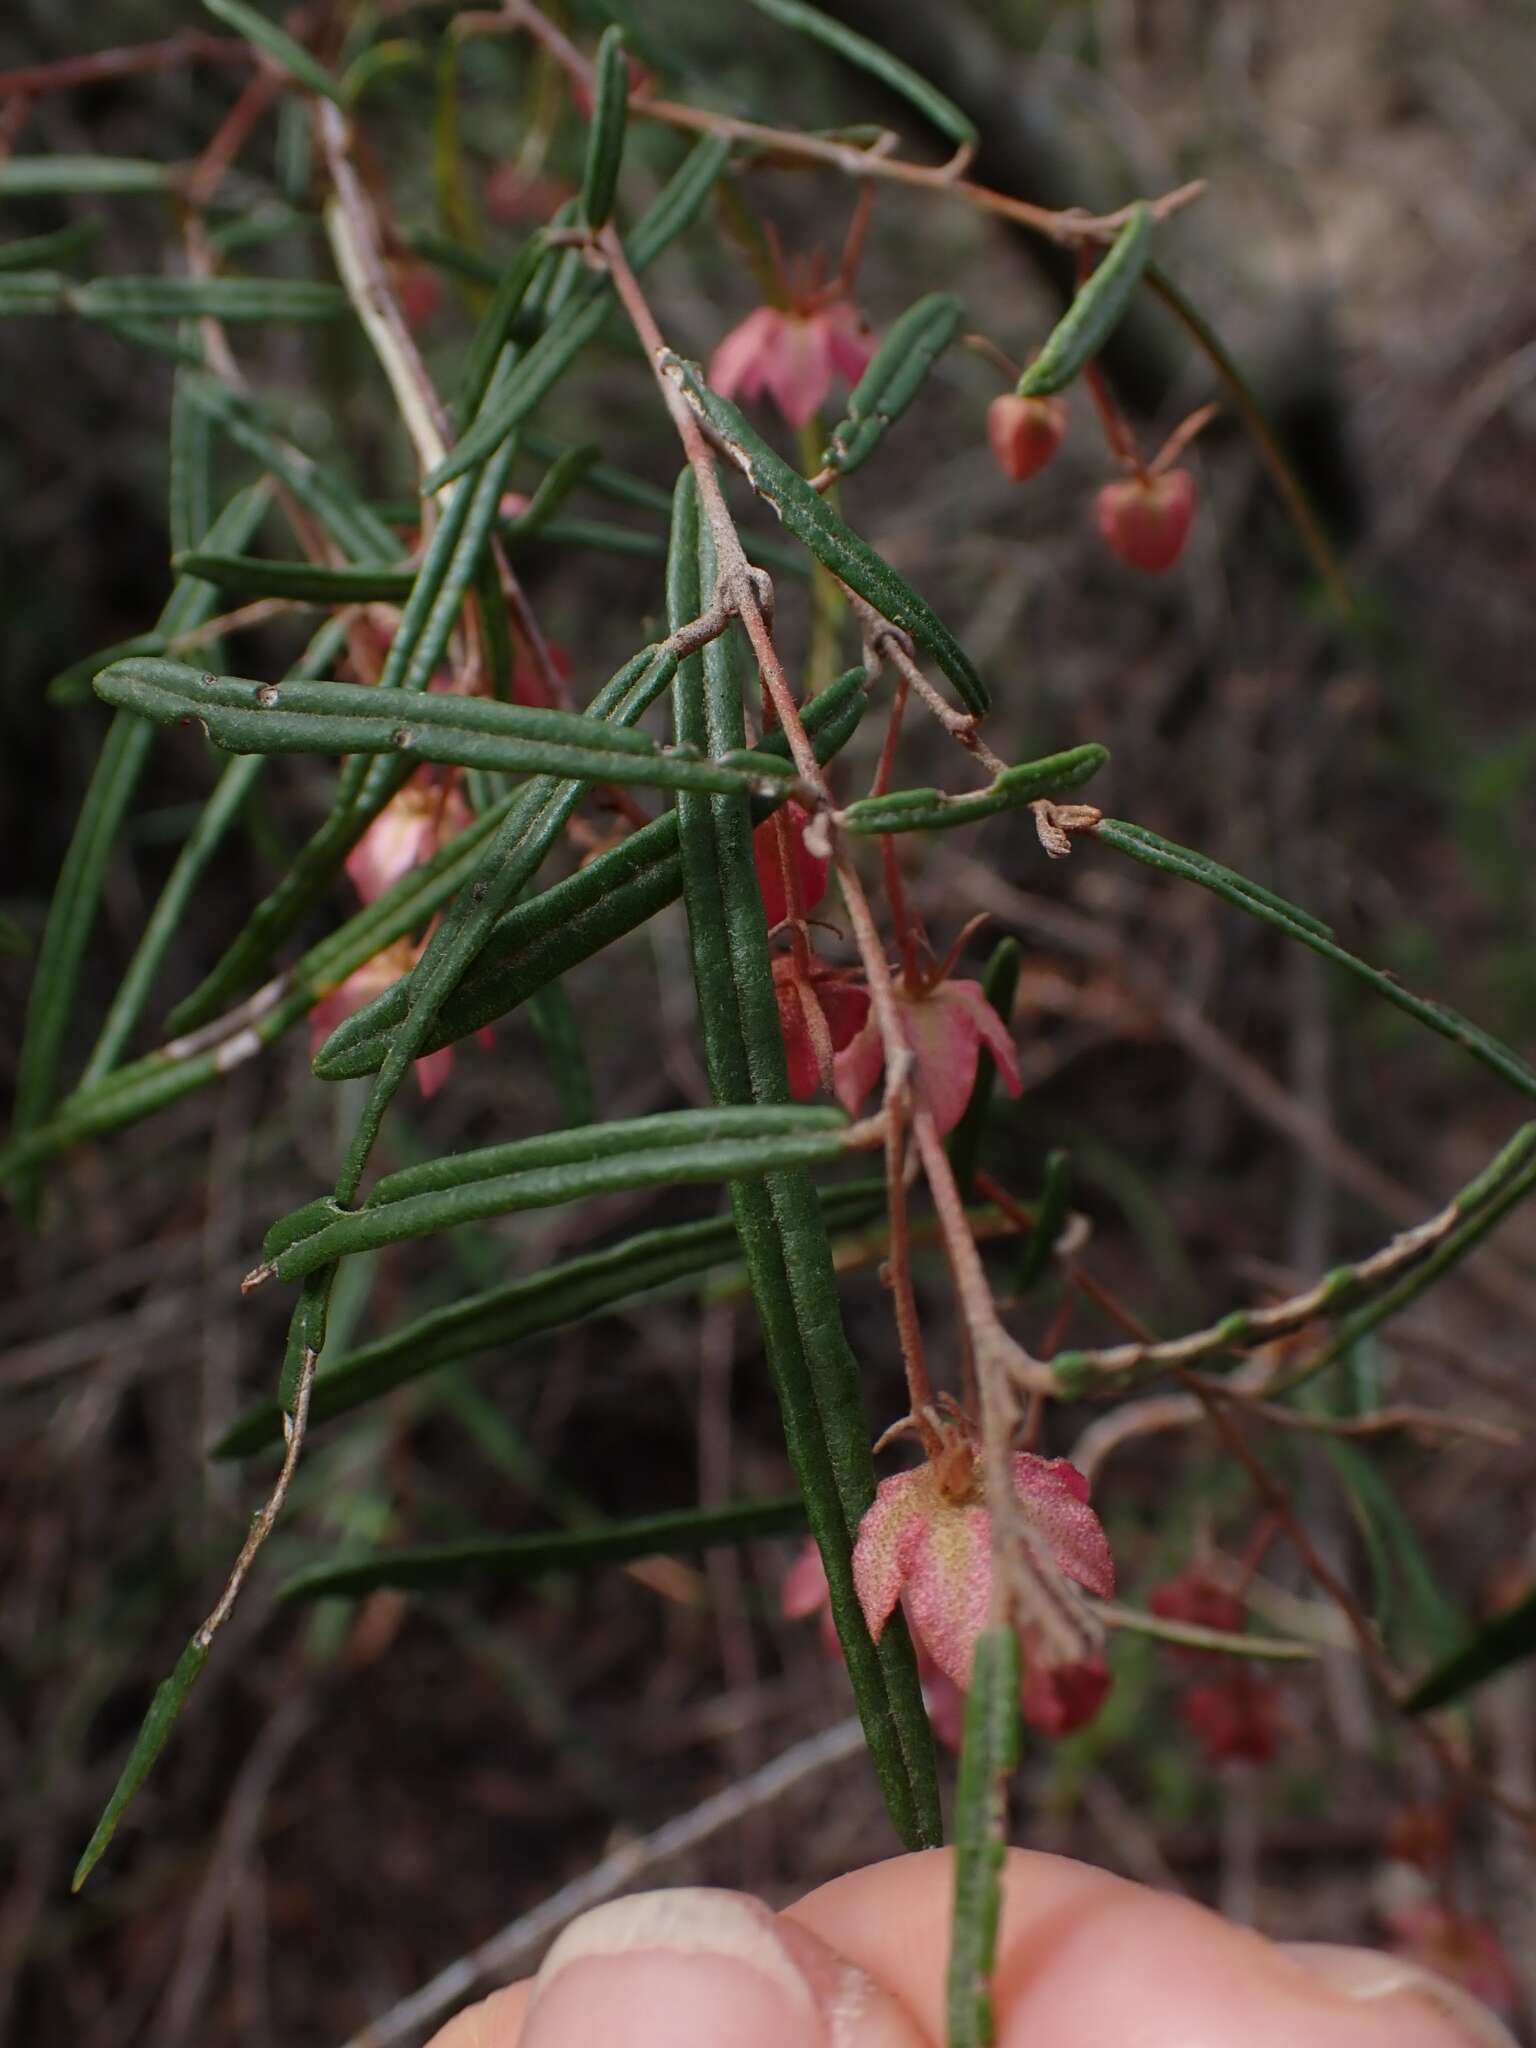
(1054, 1495)
(1058, 1698)
(942, 1034)
(857, 1067)
(881, 1553)
(798, 369)
(804, 1587)
(949, 1583)
(850, 342)
(992, 1030)
(738, 363)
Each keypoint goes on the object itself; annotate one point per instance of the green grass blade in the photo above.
(1095, 313)
(518, 1558)
(896, 374)
(990, 1755)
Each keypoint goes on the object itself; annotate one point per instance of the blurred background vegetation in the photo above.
(360, 1794)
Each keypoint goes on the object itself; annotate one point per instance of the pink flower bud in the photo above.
(1194, 1596)
(1146, 520)
(1236, 1719)
(1024, 433)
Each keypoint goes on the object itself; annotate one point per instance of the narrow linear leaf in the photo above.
(813, 522)
(512, 287)
(170, 1697)
(222, 298)
(933, 810)
(555, 486)
(1161, 853)
(782, 1231)
(307, 582)
(362, 1230)
(44, 252)
(896, 374)
(224, 805)
(605, 137)
(29, 177)
(999, 984)
(1095, 313)
(248, 717)
(868, 56)
(555, 1021)
(77, 897)
(1506, 1640)
(519, 1558)
(278, 44)
(500, 1317)
(989, 1757)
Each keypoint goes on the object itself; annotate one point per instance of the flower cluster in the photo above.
(926, 1543)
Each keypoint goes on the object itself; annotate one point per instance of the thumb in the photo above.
(697, 1968)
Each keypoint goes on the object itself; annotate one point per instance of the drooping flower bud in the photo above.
(1236, 1719)
(1145, 520)
(792, 356)
(1024, 433)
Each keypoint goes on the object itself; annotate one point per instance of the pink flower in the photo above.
(1145, 520)
(821, 1013)
(792, 356)
(1236, 1719)
(946, 1027)
(1456, 1946)
(811, 869)
(360, 987)
(409, 830)
(1024, 433)
(931, 1548)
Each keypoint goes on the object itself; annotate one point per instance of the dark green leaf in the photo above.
(989, 1757)
(813, 522)
(532, 1557)
(1297, 924)
(868, 56)
(932, 810)
(1050, 1215)
(27, 177)
(1508, 1639)
(170, 1696)
(783, 1235)
(43, 252)
(1095, 313)
(308, 582)
(605, 137)
(278, 44)
(895, 376)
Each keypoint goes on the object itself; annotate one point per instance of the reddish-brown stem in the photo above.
(191, 46)
(1117, 433)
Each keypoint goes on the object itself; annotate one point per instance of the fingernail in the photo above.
(1366, 1974)
(671, 1969)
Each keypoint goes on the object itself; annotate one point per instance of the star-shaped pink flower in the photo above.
(792, 356)
(919, 1544)
(946, 1026)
